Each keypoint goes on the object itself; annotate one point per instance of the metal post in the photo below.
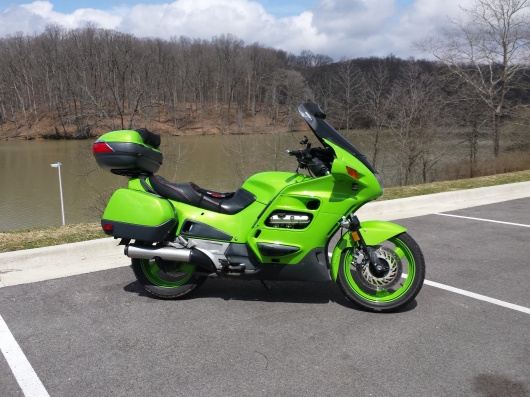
(58, 166)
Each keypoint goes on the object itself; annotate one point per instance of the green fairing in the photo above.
(372, 232)
(238, 225)
(333, 199)
(368, 185)
(266, 185)
(281, 191)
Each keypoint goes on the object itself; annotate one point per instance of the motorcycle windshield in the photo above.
(314, 116)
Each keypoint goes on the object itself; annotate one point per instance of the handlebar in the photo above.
(297, 153)
(312, 159)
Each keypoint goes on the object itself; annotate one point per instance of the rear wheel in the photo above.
(167, 280)
(388, 285)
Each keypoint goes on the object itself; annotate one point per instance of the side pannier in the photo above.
(132, 214)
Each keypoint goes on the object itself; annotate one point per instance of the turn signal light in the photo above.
(355, 236)
(101, 147)
(353, 173)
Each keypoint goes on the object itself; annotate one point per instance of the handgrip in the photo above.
(296, 153)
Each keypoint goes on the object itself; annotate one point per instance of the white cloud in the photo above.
(350, 28)
(353, 17)
(424, 18)
(33, 17)
(197, 18)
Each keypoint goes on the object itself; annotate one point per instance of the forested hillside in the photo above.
(87, 81)
(81, 83)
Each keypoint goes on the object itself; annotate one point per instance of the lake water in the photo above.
(29, 192)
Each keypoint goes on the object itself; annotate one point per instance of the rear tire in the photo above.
(176, 283)
(391, 289)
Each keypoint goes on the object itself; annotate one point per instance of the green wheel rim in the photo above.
(403, 252)
(179, 276)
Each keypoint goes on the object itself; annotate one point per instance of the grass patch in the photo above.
(35, 238)
(459, 184)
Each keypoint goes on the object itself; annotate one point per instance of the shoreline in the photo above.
(188, 132)
(447, 191)
(50, 262)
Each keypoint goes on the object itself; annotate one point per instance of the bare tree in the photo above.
(375, 101)
(242, 151)
(348, 81)
(472, 114)
(416, 122)
(488, 47)
(292, 92)
(229, 51)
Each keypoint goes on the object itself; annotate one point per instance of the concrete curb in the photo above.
(441, 202)
(47, 263)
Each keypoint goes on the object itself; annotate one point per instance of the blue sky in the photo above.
(278, 8)
(338, 28)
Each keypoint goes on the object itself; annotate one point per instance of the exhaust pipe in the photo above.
(193, 256)
(166, 253)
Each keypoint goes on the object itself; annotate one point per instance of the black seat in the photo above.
(189, 193)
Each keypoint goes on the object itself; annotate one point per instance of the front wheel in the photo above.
(167, 280)
(388, 285)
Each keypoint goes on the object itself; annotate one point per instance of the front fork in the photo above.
(364, 235)
(353, 225)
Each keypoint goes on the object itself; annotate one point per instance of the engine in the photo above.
(289, 220)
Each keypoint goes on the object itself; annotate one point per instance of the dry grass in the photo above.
(35, 238)
(459, 184)
(24, 239)
(510, 161)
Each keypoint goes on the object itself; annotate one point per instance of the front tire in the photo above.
(175, 281)
(383, 290)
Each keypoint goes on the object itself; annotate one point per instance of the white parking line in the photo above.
(478, 296)
(24, 373)
(481, 219)
(474, 295)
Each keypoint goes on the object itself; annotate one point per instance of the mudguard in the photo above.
(372, 232)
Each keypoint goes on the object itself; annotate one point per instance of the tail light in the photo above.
(101, 147)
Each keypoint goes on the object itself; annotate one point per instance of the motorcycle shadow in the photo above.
(271, 291)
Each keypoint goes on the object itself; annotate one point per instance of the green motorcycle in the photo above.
(276, 226)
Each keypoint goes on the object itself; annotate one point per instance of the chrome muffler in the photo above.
(173, 254)
(165, 253)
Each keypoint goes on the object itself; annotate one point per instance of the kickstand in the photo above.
(265, 285)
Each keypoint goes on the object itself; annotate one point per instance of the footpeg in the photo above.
(237, 268)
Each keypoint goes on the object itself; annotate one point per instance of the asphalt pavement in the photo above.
(99, 334)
